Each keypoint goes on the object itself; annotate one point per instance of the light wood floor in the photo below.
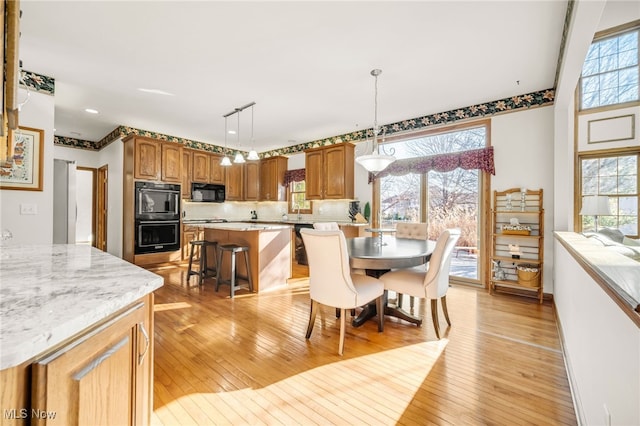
(246, 361)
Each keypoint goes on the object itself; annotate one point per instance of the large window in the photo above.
(610, 71)
(615, 176)
(443, 200)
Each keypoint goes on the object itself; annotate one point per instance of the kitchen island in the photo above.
(269, 251)
(76, 336)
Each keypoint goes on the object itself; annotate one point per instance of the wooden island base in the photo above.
(269, 254)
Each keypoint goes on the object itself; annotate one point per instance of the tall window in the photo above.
(443, 200)
(610, 71)
(615, 176)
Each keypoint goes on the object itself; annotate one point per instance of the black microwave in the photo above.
(209, 192)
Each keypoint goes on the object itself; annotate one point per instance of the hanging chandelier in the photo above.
(375, 162)
(225, 160)
(253, 155)
(238, 158)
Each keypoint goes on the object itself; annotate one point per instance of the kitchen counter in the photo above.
(52, 292)
(243, 226)
(269, 251)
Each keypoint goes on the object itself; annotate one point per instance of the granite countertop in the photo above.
(303, 221)
(244, 226)
(53, 292)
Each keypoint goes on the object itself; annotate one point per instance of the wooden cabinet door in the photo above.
(200, 166)
(216, 171)
(171, 162)
(234, 182)
(334, 167)
(314, 174)
(101, 377)
(186, 174)
(148, 155)
(338, 171)
(272, 179)
(252, 181)
(267, 172)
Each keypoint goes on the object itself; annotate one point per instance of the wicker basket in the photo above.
(528, 275)
(516, 232)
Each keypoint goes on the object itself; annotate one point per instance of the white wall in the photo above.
(523, 156)
(82, 157)
(33, 229)
(601, 346)
(112, 155)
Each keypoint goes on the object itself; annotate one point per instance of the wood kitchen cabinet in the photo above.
(190, 233)
(234, 182)
(272, 179)
(252, 181)
(207, 168)
(200, 168)
(216, 171)
(103, 376)
(329, 172)
(171, 170)
(156, 160)
(187, 168)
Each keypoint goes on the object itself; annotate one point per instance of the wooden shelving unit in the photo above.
(511, 249)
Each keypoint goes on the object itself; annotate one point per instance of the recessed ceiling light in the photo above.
(156, 91)
(232, 132)
(91, 110)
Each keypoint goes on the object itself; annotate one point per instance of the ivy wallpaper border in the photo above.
(525, 101)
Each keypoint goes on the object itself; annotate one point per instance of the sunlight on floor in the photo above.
(170, 306)
(397, 375)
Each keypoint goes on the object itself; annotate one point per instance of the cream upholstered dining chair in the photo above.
(430, 284)
(412, 231)
(331, 282)
(326, 226)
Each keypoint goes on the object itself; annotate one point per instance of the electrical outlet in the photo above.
(28, 208)
(607, 416)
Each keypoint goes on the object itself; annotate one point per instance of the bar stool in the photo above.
(233, 249)
(204, 270)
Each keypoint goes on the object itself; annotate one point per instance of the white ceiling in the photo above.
(305, 64)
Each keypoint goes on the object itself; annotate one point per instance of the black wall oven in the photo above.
(157, 201)
(155, 236)
(157, 217)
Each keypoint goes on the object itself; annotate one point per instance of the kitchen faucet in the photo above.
(299, 217)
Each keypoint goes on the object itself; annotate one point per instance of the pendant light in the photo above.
(253, 155)
(225, 160)
(375, 162)
(238, 158)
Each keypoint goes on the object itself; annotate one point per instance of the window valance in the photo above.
(481, 159)
(296, 175)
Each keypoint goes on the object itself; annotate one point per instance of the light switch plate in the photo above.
(28, 208)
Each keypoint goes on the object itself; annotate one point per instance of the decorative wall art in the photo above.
(21, 166)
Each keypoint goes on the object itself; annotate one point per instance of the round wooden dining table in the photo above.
(367, 253)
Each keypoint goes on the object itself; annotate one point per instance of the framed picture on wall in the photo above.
(22, 166)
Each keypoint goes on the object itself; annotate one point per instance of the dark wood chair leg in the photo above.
(434, 316)
(444, 308)
(380, 308)
(312, 317)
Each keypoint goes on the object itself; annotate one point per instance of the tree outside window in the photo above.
(297, 198)
(610, 72)
(615, 176)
